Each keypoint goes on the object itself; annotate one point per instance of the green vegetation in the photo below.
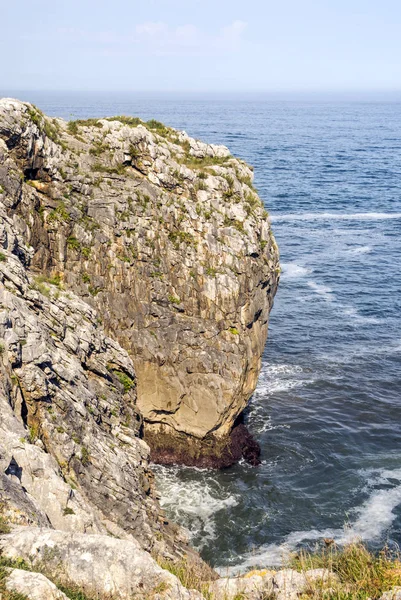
(4, 527)
(68, 511)
(193, 162)
(49, 127)
(73, 126)
(160, 128)
(191, 576)
(40, 281)
(3, 257)
(239, 226)
(127, 382)
(59, 214)
(211, 272)
(134, 152)
(233, 330)
(118, 170)
(174, 299)
(71, 591)
(4, 593)
(73, 243)
(86, 278)
(200, 184)
(53, 280)
(98, 148)
(85, 456)
(130, 121)
(179, 237)
(33, 433)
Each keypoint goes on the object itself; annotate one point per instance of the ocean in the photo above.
(327, 409)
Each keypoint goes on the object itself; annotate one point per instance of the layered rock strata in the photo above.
(71, 453)
(166, 238)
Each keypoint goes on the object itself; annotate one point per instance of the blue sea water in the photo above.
(327, 409)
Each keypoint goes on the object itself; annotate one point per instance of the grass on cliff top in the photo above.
(361, 573)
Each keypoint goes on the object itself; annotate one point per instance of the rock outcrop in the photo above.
(71, 455)
(100, 565)
(167, 240)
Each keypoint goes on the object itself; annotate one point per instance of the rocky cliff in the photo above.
(165, 237)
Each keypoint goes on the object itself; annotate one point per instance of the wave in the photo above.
(322, 290)
(325, 216)
(354, 314)
(359, 250)
(279, 378)
(274, 379)
(294, 271)
(193, 498)
(374, 518)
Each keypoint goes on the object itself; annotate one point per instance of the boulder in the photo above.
(33, 586)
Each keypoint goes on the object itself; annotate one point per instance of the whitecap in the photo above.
(360, 250)
(294, 271)
(279, 378)
(322, 290)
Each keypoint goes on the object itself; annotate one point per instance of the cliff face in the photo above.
(167, 239)
(70, 452)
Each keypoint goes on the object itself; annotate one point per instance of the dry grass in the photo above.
(361, 573)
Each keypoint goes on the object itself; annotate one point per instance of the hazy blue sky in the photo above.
(201, 45)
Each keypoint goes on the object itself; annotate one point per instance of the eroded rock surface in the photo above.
(166, 237)
(71, 456)
(100, 565)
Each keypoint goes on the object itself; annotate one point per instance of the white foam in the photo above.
(193, 503)
(279, 378)
(358, 351)
(374, 517)
(322, 290)
(294, 271)
(360, 250)
(272, 380)
(354, 314)
(335, 216)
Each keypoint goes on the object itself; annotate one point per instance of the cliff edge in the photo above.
(165, 237)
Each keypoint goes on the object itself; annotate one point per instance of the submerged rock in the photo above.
(166, 237)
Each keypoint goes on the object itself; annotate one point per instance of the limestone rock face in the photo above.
(101, 565)
(70, 452)
(166, 237)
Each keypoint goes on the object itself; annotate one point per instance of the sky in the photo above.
(201, 45)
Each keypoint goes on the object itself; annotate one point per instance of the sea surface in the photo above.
(327, 409)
